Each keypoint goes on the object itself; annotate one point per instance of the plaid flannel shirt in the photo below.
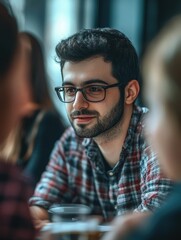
(76, 174)
(15, 218)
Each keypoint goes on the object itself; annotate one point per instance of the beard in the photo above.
(104, 124)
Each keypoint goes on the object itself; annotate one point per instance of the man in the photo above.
(103, 160)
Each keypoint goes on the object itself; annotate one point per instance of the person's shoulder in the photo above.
(70, 140)
(9, 171)
(70, 134)
(11, 177)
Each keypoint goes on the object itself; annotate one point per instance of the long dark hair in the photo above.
(38, 76)
(8, 39)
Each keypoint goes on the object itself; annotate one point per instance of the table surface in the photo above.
(54, 229)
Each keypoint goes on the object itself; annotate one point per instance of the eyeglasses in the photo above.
(92, 93)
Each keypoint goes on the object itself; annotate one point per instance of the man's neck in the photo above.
(110, 142)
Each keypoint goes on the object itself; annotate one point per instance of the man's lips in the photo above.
(83, 118)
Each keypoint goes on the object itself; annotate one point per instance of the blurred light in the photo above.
(61, 22)
(18, 10)
(127, 16)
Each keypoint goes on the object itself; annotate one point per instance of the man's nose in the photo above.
(80, 102)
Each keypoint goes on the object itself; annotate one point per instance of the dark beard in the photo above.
(102, 125)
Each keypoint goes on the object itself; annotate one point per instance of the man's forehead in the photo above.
(88, 69)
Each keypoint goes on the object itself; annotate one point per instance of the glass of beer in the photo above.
(71, 222)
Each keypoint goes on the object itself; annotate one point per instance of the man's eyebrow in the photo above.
(67, 83)
(95, 81)
(91, 81)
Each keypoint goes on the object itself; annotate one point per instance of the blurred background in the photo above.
(53, 20)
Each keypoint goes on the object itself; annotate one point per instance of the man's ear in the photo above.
(131, 91)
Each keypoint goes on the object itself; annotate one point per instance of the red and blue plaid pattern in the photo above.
(15, 219)
(76, 174)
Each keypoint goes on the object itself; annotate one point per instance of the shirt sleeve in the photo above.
(53, 187)
(155, 187)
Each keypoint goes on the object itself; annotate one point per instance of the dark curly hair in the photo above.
(109, 43)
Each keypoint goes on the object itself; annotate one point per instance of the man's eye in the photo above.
(94, 89)
(69, 90)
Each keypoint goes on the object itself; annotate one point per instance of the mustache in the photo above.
(83, 112)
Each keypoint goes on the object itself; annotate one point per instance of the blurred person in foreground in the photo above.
(15, 220)
(162, 74)
(103, 160)
(30, 143)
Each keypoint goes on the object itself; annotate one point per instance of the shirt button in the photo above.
(110, 173)
(115, 207)
(90, 154)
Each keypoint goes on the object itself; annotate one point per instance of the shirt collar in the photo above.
(136, 125)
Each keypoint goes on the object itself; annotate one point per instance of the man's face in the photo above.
(90, 119)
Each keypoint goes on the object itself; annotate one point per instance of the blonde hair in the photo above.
(10, 149)
(164, 56)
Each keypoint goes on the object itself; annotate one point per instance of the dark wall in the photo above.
(103, 13)
(156, 14)
(35, 17)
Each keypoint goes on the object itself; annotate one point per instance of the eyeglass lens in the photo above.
(91, 93)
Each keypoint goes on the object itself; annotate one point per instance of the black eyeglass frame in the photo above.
(82, 90)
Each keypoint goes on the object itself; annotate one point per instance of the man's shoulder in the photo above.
(70, 140)
(70, 133)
